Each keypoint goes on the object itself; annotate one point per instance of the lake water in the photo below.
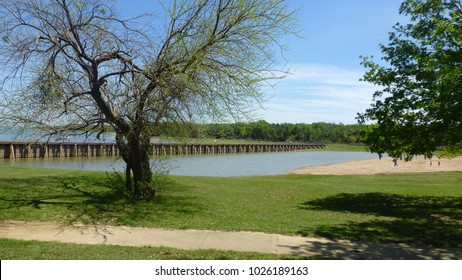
(229, 165)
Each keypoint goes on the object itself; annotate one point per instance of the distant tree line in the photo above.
(264, 131)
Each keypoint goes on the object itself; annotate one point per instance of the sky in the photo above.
(324, 84)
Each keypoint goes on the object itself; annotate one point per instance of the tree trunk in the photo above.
(141, 168)
(128, 178)
(134, 150)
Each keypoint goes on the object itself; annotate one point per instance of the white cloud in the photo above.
(316, 93)
(325, 74)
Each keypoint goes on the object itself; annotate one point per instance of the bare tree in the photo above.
(76, 66)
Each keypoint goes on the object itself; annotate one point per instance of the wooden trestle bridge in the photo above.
(14, 150)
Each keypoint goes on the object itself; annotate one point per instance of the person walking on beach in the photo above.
(395, 162)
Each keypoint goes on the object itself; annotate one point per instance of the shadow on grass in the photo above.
(345, 250)
(86, 199)
(421, 220)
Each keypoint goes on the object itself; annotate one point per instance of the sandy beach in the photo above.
(383, 166)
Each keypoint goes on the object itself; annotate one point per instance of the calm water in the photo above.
(209, 165)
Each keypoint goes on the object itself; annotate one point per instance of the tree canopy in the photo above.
(418, 108)
(77, 66)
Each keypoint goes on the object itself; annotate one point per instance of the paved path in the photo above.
(204, 239)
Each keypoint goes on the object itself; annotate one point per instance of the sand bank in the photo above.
(385, 165)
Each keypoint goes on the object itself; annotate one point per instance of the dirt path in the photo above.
(201, 239)
(386, 165)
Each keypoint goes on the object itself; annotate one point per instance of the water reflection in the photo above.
(205, 165)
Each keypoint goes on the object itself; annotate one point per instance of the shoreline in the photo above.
(383, 166)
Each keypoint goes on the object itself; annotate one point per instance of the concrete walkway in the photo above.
(204, 239)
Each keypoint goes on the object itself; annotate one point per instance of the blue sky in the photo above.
(325, 63)
(324, 85)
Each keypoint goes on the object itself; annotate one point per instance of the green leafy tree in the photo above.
(76, 66)
(419, 106)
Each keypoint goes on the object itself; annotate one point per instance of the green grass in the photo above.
(423, 209)
(345, 148)
(214, 141)
(35, 250)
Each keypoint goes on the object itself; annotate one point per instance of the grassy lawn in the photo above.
(213, 141)
(345, 147)
(35, 250)
(410, 208)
